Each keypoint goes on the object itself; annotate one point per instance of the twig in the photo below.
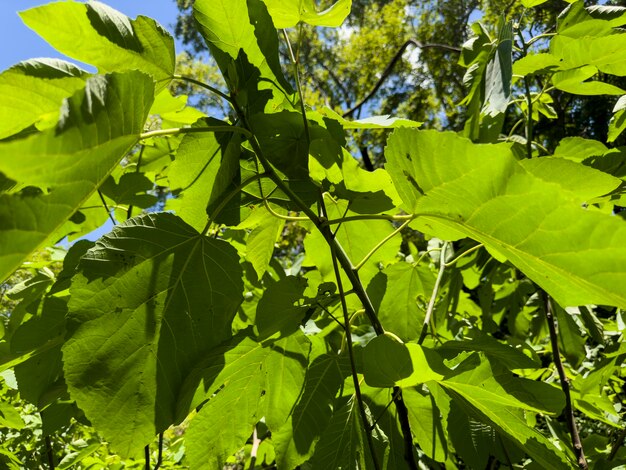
(433, 297)
(192, 130)
(569, 410)
(392, 63)
(160, 455)
(353, 276)
(106, 207)
(380, 244)
(49, 453)
(255, 448)
(146, 455)
(203, 85)
(129, 213)
(355, 378)
(465, 253)
(619, 442)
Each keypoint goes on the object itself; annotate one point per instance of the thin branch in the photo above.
(569, 410)
(433, 296)
(160, 455)
(382, 413)
(394, 218)
(387, 72)
(255, 448)
(106, 207)
(49, 452)
(192, 130)
(619, 442)
(380, 244)
(129, 213)
(146, 456)
(296, 74)
(355, 377)
(206, 86)
(280, 216)
(465, 253)
(353, 276)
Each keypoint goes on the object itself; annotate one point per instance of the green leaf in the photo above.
(10, 417)
(481, 191)
(206, 169)
(510, 357)
(344, 442)
(357, 238)
(584, 182)
(532, 3)
(571, 340)
(226, 421)
(151, 298)
(261, 242)
(573, 81)
(33, 91)
(285, 371)
(55, 172)
(387, 362)
(482, 396)
(131, 189)
(278, 310)
(498, 73)
(617, 125)
(288, 13)
(535, 63)
(606, 53)
(407, 288)
(108, 39)
(295, 440)
(426, 425)
(372, 122)
(578, 149)
(229, 26)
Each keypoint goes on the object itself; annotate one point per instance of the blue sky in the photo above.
(21, 43)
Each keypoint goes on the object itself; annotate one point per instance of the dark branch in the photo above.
(391, 65)
(569, 410)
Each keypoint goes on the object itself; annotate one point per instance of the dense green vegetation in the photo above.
(293, 282)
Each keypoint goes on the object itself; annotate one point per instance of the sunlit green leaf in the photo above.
(108, 39)
(295, 440)
(151, 298)
(33, 91)
(578, 256)
(57, 170)
(288, 13)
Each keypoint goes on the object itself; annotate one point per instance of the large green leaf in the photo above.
(205, 170)
(278, 310)
(108, 39)
(407, 288)
(481, 191)
(32, 93)
(288, 13)
(482, 396)
(249, 381)
(296, 439)
(584, 182)
(55, 172)
(151, 299)
(231, 26)
(426, 425)
(387, 362)
(344, 443)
